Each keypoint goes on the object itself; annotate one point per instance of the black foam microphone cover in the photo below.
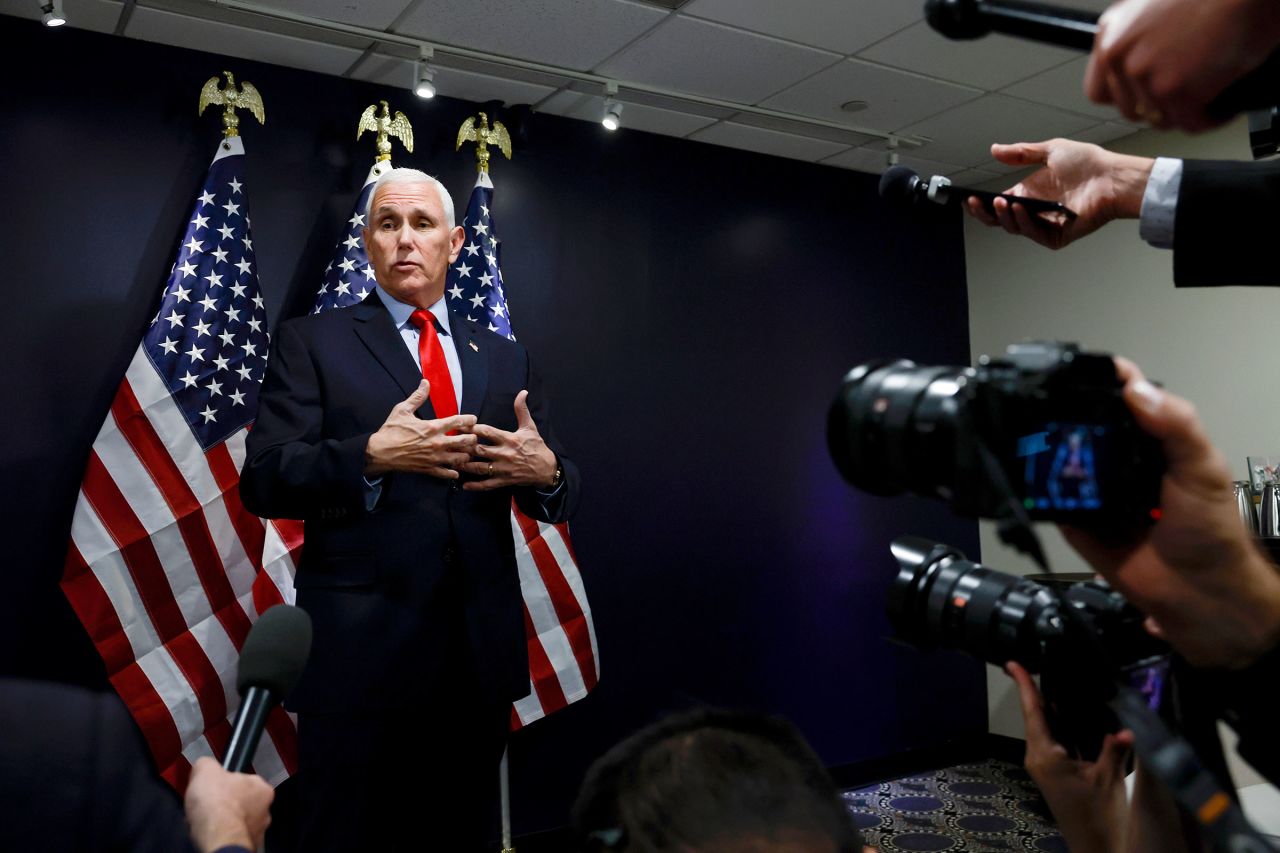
(275, 651)
(898, 184)
(271, 662)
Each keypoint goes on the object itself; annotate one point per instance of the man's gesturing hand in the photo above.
(519, 458)
(405, 442)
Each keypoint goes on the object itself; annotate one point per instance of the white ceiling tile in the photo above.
(1107, 132)
(767, 141)
(837, 25)
(716, 61)
(990, 63)
(875, 161)
(975, 178)
(231, 40)
(964, 134)
(451, 82)
(570, 33)
(896, 98)
(1063, 87)
(375, 14)
(634, 116)
(97, 15)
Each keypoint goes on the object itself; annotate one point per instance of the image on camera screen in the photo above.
(1061, 465)
(1148, 678)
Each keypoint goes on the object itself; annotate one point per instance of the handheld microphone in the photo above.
(902, 186)
(1075, 29)
(271, 661)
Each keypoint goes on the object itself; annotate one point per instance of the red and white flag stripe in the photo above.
(564, 664)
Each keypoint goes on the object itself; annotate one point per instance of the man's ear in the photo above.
(457, 236)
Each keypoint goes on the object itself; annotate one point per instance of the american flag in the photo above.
(166, 568)
(564, 664)
(349, 276)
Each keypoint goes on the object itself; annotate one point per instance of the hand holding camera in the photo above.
(1196, 573)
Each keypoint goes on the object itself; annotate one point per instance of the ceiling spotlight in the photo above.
(424, 85)
(52, 16)
(425, 88)
(612, 118)
(612, 114)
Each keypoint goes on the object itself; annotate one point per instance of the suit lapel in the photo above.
(378, 333)
(474, 359)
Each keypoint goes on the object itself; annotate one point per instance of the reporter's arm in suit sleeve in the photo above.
(291, 470)
(1228, 214)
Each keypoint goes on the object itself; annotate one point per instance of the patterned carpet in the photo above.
(986, 807)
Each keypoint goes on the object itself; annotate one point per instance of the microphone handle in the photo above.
(1041, 22)
(1075, 29)
(1033, 205)
(251, 718)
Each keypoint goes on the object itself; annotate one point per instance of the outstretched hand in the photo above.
(1097, 184)
(406, 442)
(505, 459)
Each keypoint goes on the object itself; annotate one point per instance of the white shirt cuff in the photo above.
(1160, 203)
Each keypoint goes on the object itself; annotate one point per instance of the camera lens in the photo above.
(940, 599)
(893, 427)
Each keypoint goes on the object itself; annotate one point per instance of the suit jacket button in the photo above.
(447, 556)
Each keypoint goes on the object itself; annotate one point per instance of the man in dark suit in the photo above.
(401, 432)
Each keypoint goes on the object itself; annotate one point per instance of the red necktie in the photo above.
(434, 368)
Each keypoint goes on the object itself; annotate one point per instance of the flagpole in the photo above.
(504, 786)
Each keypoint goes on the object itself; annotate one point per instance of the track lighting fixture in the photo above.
(52, 16)
(612, 118)
(424, 85)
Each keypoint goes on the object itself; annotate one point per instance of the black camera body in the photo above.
(1045, 426)
(1083, 638)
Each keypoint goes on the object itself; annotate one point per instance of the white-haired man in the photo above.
(401, 432)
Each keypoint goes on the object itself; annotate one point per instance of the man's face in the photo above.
(409, 243)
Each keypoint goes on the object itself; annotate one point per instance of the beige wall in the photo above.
(1113, 292)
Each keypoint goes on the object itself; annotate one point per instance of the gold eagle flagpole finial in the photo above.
(484, 136)
(386, 127)
(247, 98)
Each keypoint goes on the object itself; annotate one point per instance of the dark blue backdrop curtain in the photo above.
(691, 307)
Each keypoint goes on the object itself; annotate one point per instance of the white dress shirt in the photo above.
(1160, 203)
(400, 313)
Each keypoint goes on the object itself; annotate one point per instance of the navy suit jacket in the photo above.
(403, 595)
(1225, 223)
